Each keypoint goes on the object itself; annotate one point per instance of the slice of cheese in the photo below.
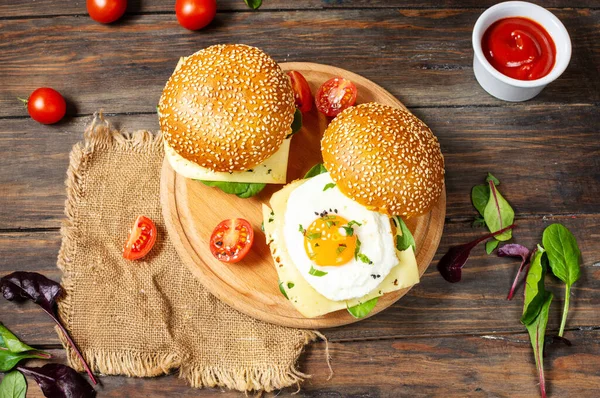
(271, 171)
(301, 294)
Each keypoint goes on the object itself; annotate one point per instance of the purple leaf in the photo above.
(450, 266)
(59, 381)
(515, 250)
(20, 286)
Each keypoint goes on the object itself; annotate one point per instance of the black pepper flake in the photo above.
(316, 213)
(316, 245)
(375, 276)
(395, 282)
(335, 211)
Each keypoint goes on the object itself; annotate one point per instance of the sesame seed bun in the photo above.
(384, 158)
(227, 108)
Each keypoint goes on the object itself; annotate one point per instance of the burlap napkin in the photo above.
(151, 317)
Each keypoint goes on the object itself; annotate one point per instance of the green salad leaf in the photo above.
(11, 342)
(491, 245)
(535, 292)
(315, 170)
(254, 4)
(242, 190)
(296, 123)
(563, 257)
(537, 332)
(493, 179)
(480, 196)
(363, 309)
(406, 240)
(13, 385)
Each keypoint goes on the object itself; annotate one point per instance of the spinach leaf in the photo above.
(12, 350)
(315, 170)
(498, 213)
(491, 245)
(60, 381)
(480, 196)
(329, 186)
(10, 342)
(13, 386)
(21, 286)
(563, 256)
(296, 124)
(282, 290)
(9, 360)
(406, 240)
(254, 4)
(363, 309)
(315, 272)
(535, 291)
(537, 331)
(242, 190)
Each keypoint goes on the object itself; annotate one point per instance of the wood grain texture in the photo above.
(191, 210)
(524, 146)
(432, 308)
(423, 57)
(495, 365)
(38, 8)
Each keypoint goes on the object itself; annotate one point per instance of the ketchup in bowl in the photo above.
(519, 48)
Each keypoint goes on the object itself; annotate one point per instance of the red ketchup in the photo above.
(519, 48)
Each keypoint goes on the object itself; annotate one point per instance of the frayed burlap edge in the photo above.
(101, 134)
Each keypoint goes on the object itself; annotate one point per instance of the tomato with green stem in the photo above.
(46, 105)
(231, 240)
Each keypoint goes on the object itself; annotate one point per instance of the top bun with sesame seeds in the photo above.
(227, 108)
(385, 159)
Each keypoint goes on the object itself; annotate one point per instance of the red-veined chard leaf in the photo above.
(515, 250)
(13, 350)
(60, 381)
(491, 245)
(498, 213)
(451, 264)
(537, 331)
(563, 257)
(480, 196)
(21, 286)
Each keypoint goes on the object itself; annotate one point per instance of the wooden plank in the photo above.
(423, 57)
(478, 366)
(433, 308)
(523, 146)
(66, 7)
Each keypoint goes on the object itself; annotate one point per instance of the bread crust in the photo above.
(227, 108)
(384, 158)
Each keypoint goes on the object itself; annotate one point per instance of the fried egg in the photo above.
(340, 247)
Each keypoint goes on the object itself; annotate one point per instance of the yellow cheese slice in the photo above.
(271, 171)
(301, 294)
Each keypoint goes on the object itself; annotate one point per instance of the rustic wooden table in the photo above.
(441, 339)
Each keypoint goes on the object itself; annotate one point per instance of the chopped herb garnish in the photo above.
(249, 170)
(330, 223)
(348, 228)
(315, 235)
(290, 285)
(351, 223)
(341, 248)
(317, 245)
(271, 219)
(269, 171)
(315, 272)
(262, 226)
(362, 257)
(330, 185)
(357, 250)
(282, 290)
(301, 229)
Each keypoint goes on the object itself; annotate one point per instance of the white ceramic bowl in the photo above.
(502, 86)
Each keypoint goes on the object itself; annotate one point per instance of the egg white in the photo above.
(355, 278)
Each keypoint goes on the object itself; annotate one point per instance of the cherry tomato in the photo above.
(231, 240)
(335, 95)
(46, 105)
(141, 239)
(106, 11)
(301, 91)
(195, 14)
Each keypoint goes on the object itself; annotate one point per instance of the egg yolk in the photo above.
(327, 243)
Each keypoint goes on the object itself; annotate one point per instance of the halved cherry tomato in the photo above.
(141, 239)
(301, 91)
(231, 240)
(335, 95)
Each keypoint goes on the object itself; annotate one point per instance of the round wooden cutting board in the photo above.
(191, 211)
